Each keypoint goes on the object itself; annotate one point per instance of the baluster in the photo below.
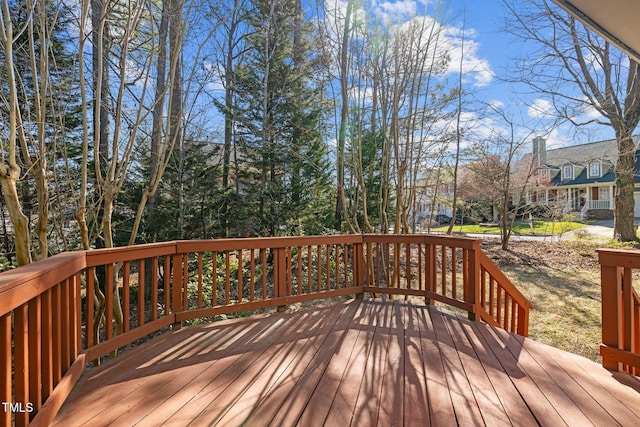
(141, 292)
(6, 370)
(200, 278)
(21, 361)
(227, 277)
(240, 273)
(252, 275)
(35, 353)
(126, 270)
(154, 288)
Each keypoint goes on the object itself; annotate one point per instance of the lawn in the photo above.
(538, 228)
(562, 281)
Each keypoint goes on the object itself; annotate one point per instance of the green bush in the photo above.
(5, 264)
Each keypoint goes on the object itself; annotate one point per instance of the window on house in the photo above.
(594, 169)
(544, 174)
(567, 172)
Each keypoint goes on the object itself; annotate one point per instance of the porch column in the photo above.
(587, 198)
(612, 199)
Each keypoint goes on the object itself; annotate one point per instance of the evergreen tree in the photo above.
(279, 120)
(187, 199)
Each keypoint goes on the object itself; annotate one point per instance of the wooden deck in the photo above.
(361, 363)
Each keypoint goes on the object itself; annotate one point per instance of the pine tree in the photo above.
(280, 116)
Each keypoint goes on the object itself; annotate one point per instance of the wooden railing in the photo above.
(620, 349)
(501, 303)
(52, 326)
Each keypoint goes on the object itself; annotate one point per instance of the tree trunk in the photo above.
(344, 116)
(10, 171)
(158, 110)
(101, 84)
(8, 179)
(624, 228)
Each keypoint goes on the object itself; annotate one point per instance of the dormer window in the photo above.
(567, 172)
(594, 170)
(544, 174)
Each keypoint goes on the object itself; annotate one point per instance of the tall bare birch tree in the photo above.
(31, 101)
(9, 167)
(127, 54)
(387, 103)
(231, 46)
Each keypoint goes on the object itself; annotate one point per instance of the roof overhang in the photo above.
(618, 21)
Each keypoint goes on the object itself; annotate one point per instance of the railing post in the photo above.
(280, 276)
(6, 371)
(429, 270)
(472, 287)
(358, 267)
(176, 299)
(611, 284)
(523, 321)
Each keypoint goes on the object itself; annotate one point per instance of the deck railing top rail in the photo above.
(61, 313)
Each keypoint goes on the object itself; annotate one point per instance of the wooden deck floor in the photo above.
(360, 363)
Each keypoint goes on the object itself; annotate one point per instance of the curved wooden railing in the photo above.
(620, 349)
(51, 326)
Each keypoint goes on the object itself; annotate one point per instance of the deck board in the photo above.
(486, 397)
(358, 362)
(515, 407)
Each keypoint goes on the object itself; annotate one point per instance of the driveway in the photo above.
(601, 229)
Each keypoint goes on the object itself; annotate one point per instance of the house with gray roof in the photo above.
(578, 178)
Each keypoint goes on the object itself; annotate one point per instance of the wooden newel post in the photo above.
(176, 295)
(472, 286)
(280, 276)
(358, 268)
(611, 284)
(429, 271)
(523, 321)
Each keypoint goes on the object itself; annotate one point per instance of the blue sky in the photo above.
(489, 53)
(485, 20)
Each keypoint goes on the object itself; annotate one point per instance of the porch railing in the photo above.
(62, 313)
(597, 204)
(620, 349)
(593, 205)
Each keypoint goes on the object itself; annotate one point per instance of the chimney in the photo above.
(540, 150)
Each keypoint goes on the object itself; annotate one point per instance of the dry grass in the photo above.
(566, 310)
(562, 280)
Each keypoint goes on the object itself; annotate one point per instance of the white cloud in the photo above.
(394, 12)
(540, 108)
(590, 113)
(214, 71)
(405, 17)
(556, 140)
(460, 45)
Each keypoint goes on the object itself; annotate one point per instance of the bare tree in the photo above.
(31, 103)
(231, 46)
(388, 102)
(580, 72)
(167, 81)
(9, 167)
(343, 67)
(499, 172)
